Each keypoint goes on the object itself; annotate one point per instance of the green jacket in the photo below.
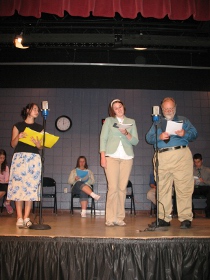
(111, 136)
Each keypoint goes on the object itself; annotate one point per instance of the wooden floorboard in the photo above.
(65, 225)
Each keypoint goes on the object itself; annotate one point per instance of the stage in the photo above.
(84, 248)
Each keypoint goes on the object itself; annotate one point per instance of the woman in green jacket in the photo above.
(118, 136)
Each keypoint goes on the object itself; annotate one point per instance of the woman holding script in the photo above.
(81, 179)
(25, 172)
(118, 136)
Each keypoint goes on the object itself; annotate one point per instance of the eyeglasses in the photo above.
(168, 109)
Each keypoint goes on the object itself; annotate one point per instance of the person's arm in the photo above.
(91, 180)
(205, 178)
(152, 181)
(72, 177)
(103, 142)
(151, 135)
(153, 186)
(189, 132)
(16, 136)
(103, 160)
(132, 136)
(6, 174)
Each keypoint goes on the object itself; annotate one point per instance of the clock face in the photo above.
(63, 123)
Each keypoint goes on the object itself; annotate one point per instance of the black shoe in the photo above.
(161, 223)
(185, 224)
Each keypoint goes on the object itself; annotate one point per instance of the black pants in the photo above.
(204, 190)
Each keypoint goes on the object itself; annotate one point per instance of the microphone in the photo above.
(45, 109)
(155, 113)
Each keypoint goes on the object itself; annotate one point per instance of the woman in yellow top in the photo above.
(116, 148)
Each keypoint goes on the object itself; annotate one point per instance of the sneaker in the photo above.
(83, 215)
(95, 196)
(27, 222)
(9, 208)
(120, 223)
(161, 223)
(185, 224)
(109, 224)
(19, 222)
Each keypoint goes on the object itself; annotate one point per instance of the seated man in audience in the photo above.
(151, 195)
(202, 180)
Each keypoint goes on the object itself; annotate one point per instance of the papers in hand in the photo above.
(122, 125)
(197, 181)
(83, 174)
(50, 139)
(172, 126)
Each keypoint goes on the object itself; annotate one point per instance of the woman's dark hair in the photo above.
(4, 163)
(111, 111)
(86, 166)
(26, 110)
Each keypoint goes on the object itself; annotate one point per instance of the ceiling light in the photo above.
(18, 41)
(140, 49)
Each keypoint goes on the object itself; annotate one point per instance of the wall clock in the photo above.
(63, 123)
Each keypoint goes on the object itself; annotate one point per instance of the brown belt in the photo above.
(171, 148)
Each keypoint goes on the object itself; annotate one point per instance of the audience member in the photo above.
(4, 179)
(81, 178)
(202, 180)
(151, 194)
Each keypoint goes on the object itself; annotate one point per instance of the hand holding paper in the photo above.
(172, 126)
(31, 134)
(122, 125)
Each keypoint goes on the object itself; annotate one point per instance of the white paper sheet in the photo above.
(172, 126)
(123, 125)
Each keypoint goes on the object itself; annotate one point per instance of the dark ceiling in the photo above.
(106, 40)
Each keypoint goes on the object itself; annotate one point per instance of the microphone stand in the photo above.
(156, 119)
(41, 226)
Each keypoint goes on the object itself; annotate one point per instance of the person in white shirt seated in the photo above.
(81, 179)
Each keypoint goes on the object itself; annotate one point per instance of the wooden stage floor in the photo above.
(65, 225)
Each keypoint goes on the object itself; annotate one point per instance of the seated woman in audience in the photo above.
(4, 179)
(81, 179)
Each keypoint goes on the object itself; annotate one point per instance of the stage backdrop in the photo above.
(86, 108)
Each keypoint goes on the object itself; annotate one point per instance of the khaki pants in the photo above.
(176, 166)
(117, 174)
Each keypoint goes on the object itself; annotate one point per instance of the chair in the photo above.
(130, 196)
(49, 191)
(153, 209)
(201, 205)
(3, 200)
(75, 195)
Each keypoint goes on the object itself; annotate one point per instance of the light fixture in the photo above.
(140, 49)
(18, 41)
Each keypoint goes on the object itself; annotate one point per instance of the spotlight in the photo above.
(18, 41)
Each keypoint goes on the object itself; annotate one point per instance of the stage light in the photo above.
(140, 49)
(18, 42)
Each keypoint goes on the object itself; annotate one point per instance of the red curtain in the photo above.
(175, 9)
